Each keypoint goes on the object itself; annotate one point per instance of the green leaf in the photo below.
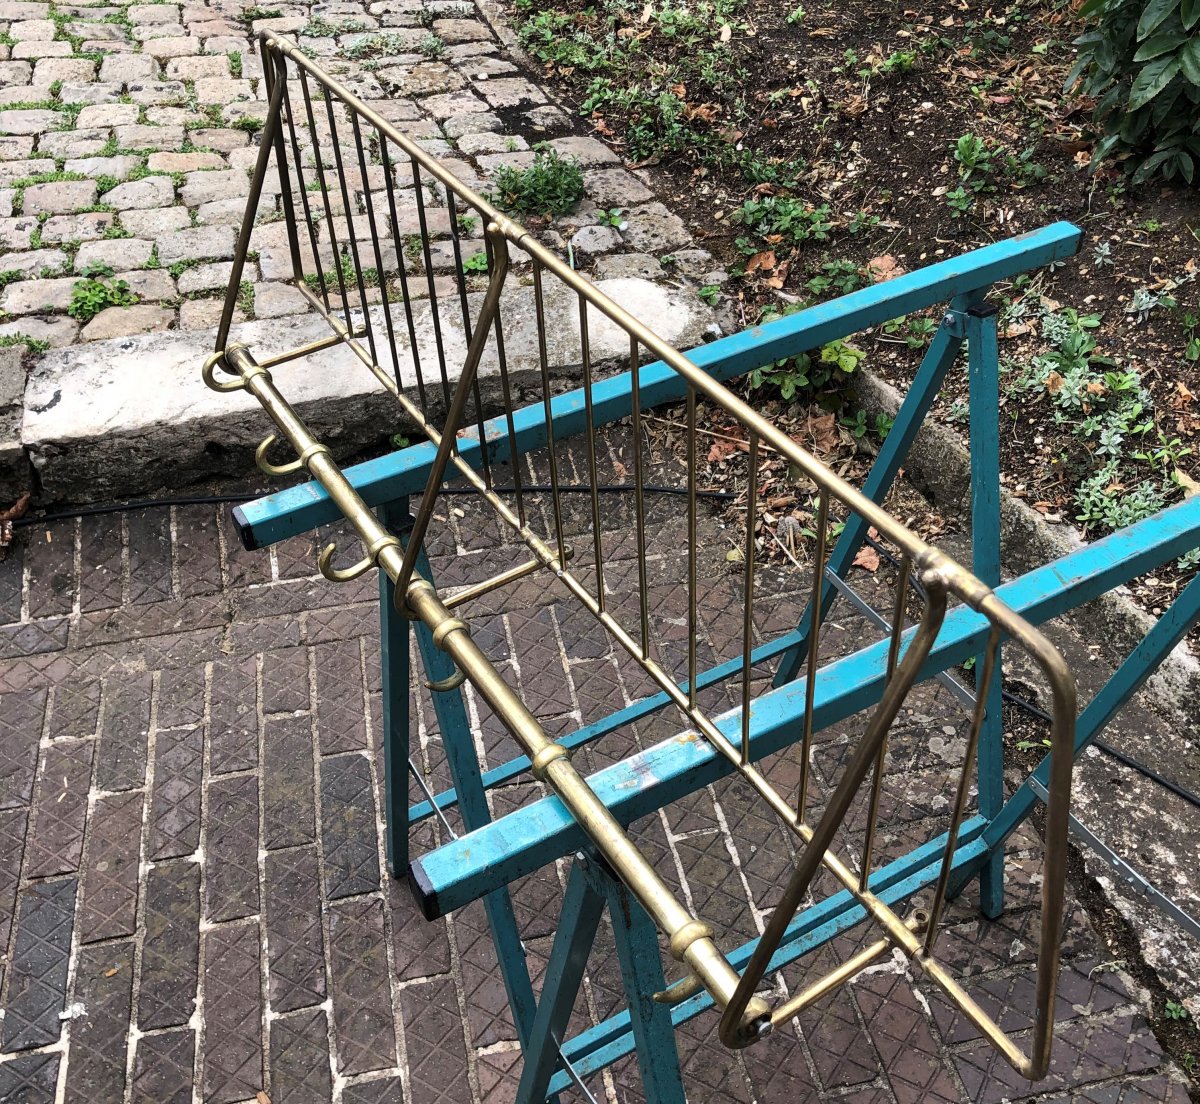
(1190, 13)
(1153, 14)
(1157, 45)
(1153, 78)
(1147, 167)
(1186, 166)
(1189, 61)
(1091, 7)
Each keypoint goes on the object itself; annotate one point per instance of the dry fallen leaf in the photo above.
(885, 267)
(867, 558)
(1054, 383)
(726, 32)
(764, 260)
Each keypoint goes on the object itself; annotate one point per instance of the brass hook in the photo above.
(265, 465)
(346, 574)
(209, 374)
(450, 682)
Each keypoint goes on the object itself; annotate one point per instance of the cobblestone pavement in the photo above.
(128, 134)
(191, 898)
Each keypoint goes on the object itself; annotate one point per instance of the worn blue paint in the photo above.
(936, 362)
(459, 744)
(983, 373)
(1138, 666)
(653, 1031)
(300, 509)
(394, 658)
(528, 839)
(812, 929)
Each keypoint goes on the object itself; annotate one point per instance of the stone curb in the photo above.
(939, 465)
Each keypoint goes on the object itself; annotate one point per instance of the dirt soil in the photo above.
(855, 112)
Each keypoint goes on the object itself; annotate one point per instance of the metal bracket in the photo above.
(955, 323)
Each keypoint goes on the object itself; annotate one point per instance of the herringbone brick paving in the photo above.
(192, 898)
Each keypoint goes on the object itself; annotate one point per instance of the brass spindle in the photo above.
(639, 496)
(748, 595)
(393, 217)
(814, 646)
(693, 619)
(964, 787)
(877, 776)
(585, 346)
(539, 307)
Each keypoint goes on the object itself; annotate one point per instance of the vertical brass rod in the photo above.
(401, 259)
(275, 83)
(514, 457)
(320, 166)
(877, 775)
(351, 236)
(431, 285)
(447, 444)
(964, 787)
(748, 595)
(585, 349)
(639, 497)
(369, 201)
(543, 362)
(309, 221)
(693, 618)
(814, 646)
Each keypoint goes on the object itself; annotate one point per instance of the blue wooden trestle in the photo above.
(482, 862)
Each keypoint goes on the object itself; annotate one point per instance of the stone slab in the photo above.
(131, 415)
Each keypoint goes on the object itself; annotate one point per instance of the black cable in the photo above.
(123, 507)
(1033, 710)
(223, 499)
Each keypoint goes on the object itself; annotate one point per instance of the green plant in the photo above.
(792, 219)
(1032, 745)
(90, 296)
(1140, 62)
(796, 15)
(432, 46)
(710, 293)
(477, 262)
(35, 345)
(250, 15)
(612, 217)
(552, 185)
(973, 156)
(861, 424)
(960, 201)
(1175, 1011)
(235, 64)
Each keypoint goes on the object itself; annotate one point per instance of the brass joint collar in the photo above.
(683, 938)
(451, 624)
(543, 758)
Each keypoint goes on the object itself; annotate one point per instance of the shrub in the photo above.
(552, 185)
(1141, 62)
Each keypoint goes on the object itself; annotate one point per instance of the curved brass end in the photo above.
(450, 682)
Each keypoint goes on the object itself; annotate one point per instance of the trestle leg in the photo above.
(393, 649)
(984, 381)
(590, 888)
(458, 742)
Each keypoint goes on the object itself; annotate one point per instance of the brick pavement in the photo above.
(192, 903)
